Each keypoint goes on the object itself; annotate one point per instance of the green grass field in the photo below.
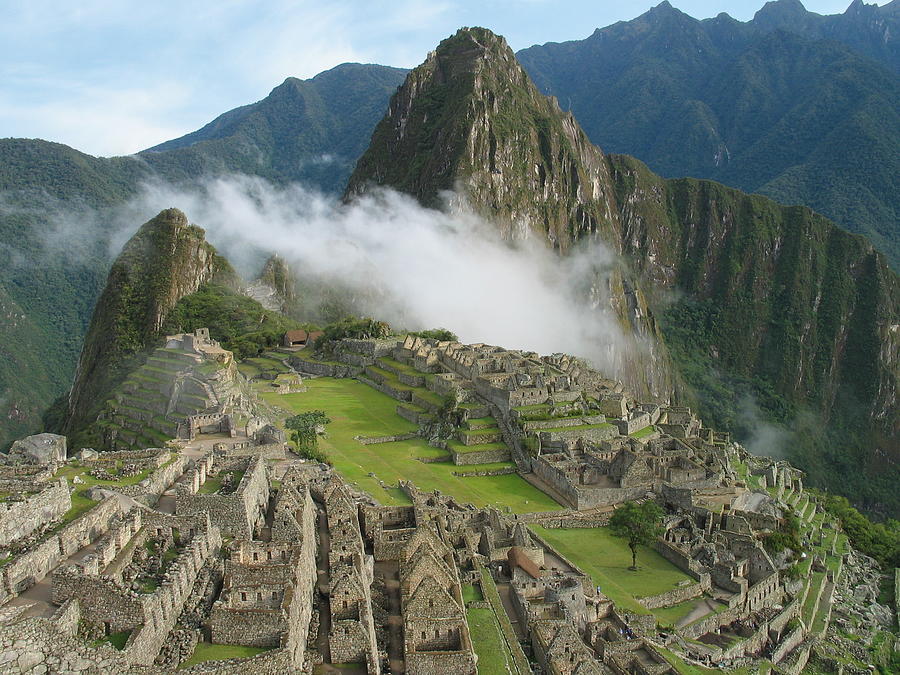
(358, 410)
(606, 559)
(205, 651)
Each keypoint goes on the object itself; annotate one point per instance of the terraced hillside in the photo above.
(146, 409)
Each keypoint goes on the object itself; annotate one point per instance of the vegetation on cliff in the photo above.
(239, 323)
(799, 107)
(166, 260)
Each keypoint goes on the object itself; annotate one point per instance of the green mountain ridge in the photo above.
(778, 105)
(305, 130)
(798, 310)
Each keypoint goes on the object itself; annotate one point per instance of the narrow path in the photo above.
(505, 593)
(323, 585)
(39, 595)
(390, 572)
(703, 608)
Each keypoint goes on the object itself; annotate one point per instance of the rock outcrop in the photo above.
(166, 260)
(38, 449)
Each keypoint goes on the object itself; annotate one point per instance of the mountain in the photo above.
(304, 130)
(470, 119)
(790, 105)
(56, 202)
(165, 261)
(755, 299)
(870, 30)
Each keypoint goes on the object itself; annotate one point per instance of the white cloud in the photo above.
(107, 122)
(412, 266)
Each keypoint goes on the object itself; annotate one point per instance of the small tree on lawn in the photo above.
(305, 429)
(638, 523)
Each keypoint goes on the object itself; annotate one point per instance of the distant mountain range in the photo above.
(800, 107)
(772, 302)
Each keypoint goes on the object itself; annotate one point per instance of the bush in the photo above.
(439, 334)
(353, 328)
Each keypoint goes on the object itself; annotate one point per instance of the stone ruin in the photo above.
(207, 546)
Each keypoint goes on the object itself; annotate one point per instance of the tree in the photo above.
(638, 523)
(305, 429)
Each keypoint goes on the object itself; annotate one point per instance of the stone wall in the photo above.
(788, 644)
(265, 451)
(149, 489)
(678, 558)
(274, 662)
(711, 623)
(440, 663)
(32, 566)
(677, 595)
(20, 519)
(482, 457)
(36, 646)
(321, 369)
(374, 440)
(238, 513)
(149, 617)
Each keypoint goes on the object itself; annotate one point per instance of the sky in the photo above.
(112, 77)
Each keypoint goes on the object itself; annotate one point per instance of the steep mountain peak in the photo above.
(780, 14)
(167, 259)
(470, 119)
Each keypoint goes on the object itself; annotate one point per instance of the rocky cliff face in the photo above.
(470, 120)
(166, 260)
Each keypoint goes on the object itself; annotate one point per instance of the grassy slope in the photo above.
(358, 410)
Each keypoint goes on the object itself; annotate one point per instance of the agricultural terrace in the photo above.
(358, 410)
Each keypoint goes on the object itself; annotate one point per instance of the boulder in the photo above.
(97, 493)
(88, 453)
(38, 449)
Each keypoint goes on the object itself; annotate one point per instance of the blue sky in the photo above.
(116, 76)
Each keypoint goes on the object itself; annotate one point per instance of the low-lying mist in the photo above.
(411, 266)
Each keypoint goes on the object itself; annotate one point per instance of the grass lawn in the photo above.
(471, 593)
(606, 559)
(205, 651)
(493, 654)
(809, 604)
(646, 431)
(669, 616)
(580, 427)
(358, 410)
(456, 446)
